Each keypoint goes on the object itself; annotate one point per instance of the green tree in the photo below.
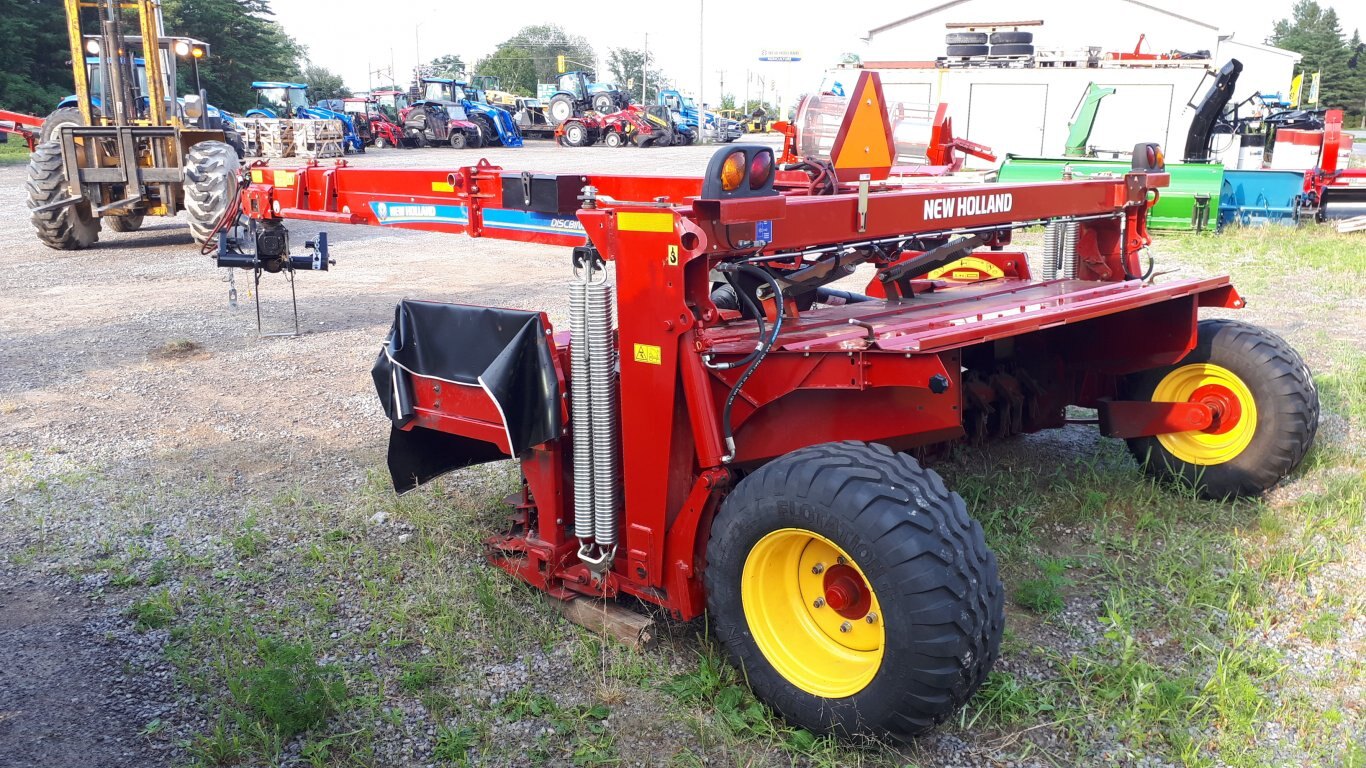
(451, 65)
(246, 44)
(530, 57)
(628, 64)
(34, 73)
(323, 83)
(1315, 33)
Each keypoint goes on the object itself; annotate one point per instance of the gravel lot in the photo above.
(142, 419)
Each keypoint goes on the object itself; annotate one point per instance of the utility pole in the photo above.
(701, 71)
(645, 70)
(745, 107)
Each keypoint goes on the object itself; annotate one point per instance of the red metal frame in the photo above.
(27, 126)
(975, 356)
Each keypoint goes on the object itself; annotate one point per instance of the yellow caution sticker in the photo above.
(968, 268)
(442, 186)
(672, 260)
(628, 221)
(257, 177)
(649, 353)
(284, 178)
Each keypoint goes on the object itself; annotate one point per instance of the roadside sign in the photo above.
(780, 55)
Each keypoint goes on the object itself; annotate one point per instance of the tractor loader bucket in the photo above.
(1190, 203)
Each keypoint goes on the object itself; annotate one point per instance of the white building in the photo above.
(1026, 109)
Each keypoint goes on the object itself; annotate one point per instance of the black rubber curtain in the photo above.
(504, 351)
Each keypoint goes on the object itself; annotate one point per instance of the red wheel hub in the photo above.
(846, 592)
(1223, 403)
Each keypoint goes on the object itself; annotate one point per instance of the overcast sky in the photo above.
(358, 35)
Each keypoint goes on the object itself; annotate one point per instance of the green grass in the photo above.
(14, 152)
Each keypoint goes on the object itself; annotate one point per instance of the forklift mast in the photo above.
(117, 62)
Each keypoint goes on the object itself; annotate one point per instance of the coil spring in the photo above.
(581, 410)
(1060, 250)
(602, 372)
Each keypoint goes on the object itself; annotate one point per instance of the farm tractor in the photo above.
(490, 90)
(434, 123)
(373, 126)
(290, 101)
(129, 147)
(641, 126)
(723, 430)
(495, 124)
(577, 94)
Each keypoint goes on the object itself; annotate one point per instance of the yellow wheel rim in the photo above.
(812, 613)
(1231, 399)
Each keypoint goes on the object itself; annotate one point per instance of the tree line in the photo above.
(246, 44)
(1316, 33)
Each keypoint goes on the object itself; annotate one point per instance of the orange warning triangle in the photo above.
(864, 143)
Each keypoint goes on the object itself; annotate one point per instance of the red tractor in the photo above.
(722, 430)
(641, 126)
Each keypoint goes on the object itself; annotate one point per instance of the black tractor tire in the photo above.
(965, 38)
(575, 134)
(1282, 392)
(476, 141)
(128, 223)
(560, 109)
(457, 140)
(614, 139)
(917, 554)
(69, 228)
(604, 104)
(488, 132)
(1012, 49)
(53, 122)
(968, 50)
(211, 186)
(1008, 38)
(234, 140)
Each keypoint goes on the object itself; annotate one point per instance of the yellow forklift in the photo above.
(135, 148)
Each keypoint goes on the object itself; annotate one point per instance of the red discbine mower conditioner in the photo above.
(722, 431)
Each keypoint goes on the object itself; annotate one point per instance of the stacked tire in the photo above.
(1012, 44)
(965, 44)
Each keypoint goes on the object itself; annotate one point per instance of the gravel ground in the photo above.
(138, 409)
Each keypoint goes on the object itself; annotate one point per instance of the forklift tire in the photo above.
(1012, 49)
(853, 591)
(1276, 407)
(968, 50)
(488, 132)
(614, 139)
(457, 140)
(965, 38)
(69, 228)
(59, 118)
(129, 223)
(1006, 38)
(211, 185)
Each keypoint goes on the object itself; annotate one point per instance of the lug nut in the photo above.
(846, 626)
(819, 602)
(871, 618)
(841, 560)
(818, 568)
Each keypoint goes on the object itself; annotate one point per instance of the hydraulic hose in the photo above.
(726, 428)
(745, 296)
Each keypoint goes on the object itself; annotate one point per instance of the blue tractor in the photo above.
(715, 128)
(495, 124)
(275, 100)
